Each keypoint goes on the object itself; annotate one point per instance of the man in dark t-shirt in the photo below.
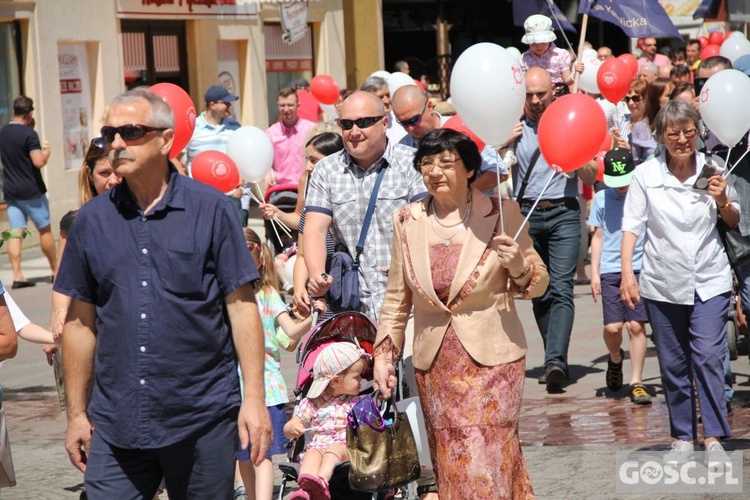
(23, 157)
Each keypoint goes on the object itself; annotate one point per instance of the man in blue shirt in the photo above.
(555, 227)
(162, 309)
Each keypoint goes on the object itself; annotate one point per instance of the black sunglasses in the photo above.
(99, 143)
(635, 98)
(128, 132)
(414, 119)
(365, 122)
(698, 84)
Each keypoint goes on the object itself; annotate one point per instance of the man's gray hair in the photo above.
(651, 67)
(161, 113)
(674, 112)
(374, 84)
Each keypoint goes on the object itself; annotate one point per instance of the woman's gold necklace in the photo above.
(461, 224)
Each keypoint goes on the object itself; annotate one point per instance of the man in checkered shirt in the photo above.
(339, 192)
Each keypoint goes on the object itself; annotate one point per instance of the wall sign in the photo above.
(186, 9)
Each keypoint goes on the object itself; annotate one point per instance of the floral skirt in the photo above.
(471, 414)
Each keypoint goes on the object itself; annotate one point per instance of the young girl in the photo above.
(273, 314)
(336, 385)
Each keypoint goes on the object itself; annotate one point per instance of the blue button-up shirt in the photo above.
(165, 365)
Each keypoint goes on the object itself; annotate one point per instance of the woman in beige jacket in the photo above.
(457, 269)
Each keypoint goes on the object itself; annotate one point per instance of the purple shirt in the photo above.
(289, 149)
(553, 60)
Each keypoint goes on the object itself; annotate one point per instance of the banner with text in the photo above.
(637, 18)
(186, 9)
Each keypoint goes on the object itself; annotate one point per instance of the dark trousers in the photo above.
(691, 345)
(557, 237)
(199, 467)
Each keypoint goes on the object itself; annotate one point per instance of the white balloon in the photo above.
(252, 152)
(725, 107)
(398, 80)
(737, 34)
(489, 91)
(514, 52)
(735, 47)
(289, 268)
(382, 74)
(587, 80)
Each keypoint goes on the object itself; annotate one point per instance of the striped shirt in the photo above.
(207, 137)
(341, 189)
(682, 253)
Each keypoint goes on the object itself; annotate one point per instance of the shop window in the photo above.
(154, 52)
(10, 80)
(285, 63)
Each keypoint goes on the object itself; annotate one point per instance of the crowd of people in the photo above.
(161, 289)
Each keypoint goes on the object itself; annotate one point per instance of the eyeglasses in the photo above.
(427, 165)
(414, 120)
(128, 132)
(688, 133)
(365, 122)
(635, 98)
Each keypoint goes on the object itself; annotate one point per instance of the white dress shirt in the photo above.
(682, 253)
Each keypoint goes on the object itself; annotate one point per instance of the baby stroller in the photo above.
(348, 326)
(284, 197)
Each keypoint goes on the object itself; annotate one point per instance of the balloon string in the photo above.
(275, 219)
(499, 195)
(536, 202)
(735, 163)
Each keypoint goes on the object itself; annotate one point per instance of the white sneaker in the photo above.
(715, 454)
(681, 451)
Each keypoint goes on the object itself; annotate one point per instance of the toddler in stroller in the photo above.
(337, 375)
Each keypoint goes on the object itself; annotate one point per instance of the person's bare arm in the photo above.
(588, 172)
(79, 344)
(39, 157)
(247, 333)
(316, 229)
(8, 339)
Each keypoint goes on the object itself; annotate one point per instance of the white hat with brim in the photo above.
(538, 30)
(331, 361)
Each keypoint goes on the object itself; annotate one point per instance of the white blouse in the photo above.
(682, 254)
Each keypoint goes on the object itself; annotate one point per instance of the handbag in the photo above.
(736, 245)
(382, 452)
(7, 472)
(344, 271)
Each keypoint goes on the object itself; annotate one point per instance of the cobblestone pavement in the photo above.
(569, 439)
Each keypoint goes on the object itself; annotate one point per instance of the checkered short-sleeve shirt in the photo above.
(341, 189)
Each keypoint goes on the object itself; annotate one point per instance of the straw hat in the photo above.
(538, 30)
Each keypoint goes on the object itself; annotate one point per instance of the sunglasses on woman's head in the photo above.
(128, 132)
(635, 98)
(98, 143)
(365, 122)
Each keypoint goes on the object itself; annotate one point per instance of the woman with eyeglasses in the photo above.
(685, 279)
(453, 264)
(639, 139)
(95, 176)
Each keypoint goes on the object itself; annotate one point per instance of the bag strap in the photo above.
(368, 217)
(525, 181)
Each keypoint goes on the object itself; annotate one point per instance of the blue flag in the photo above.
(707, 8)
(525, 8)
(637, 18)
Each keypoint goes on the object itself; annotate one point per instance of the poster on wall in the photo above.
(75, 97)
(228, 64)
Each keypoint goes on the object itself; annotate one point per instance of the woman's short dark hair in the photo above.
(444, 139)
(326, 143)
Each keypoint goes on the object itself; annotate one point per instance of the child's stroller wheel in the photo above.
(732, 334)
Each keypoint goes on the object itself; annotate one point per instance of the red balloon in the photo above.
(631, 62)
(703, 41)
(215, 169)
(716, 38)
(456, 123)
(710, 51)
(613, 79)
(609, 141)
(571, 131)
(600, 165)
(184, 114)
(324, 89)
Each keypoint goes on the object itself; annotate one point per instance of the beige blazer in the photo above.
(485, 320)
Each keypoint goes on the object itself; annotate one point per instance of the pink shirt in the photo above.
(553, 60)
(288, 150)
(659, 59)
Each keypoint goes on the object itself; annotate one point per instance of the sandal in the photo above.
(614, 373)
(315, 486)
(639, 395)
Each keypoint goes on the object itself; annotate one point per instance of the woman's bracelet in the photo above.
(524, 273)
(727, 205)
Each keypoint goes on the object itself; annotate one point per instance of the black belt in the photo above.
(548, 204)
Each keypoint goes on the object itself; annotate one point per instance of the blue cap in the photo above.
(219, 93)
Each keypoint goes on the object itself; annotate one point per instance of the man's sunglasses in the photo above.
(414, 120)
(365, 122)
(128, 132)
